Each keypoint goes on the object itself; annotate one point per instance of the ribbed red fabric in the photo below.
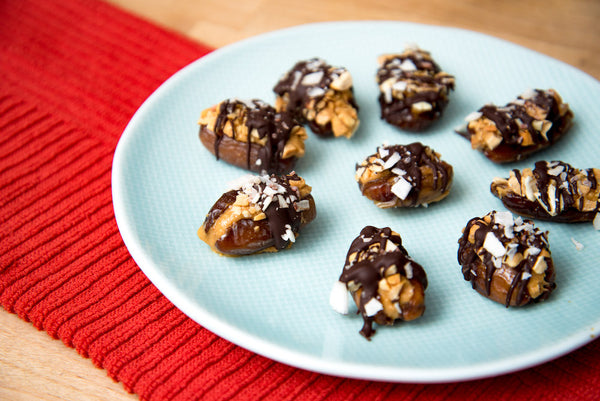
(72, 73)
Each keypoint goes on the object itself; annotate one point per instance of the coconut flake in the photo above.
(578, 245)
(297, 76)
(282, 203)
(506, 220)
(408, 269)
(401, 188)
(390, 246)
(529, 94)
(312, 79)
(493, 245)
(529, 190)
(391, 161)
(387, 94)
(315, 91)
(408, 65)
(372, 307)
(267, 202)
(421, 107)
(399, 86)
(338, 298)
(398, 171)
(497, 262)
(473, 116)
(288, 235)
(540, 265)
(238, 183)
(383, 152)
(556, 170)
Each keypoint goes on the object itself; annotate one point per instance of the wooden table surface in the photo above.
(35, 367)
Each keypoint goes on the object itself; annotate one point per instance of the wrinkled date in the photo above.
(260, 214)
(404, 176)
(506, 259)
(321, 96)
(553, 191)
(414, 91)
(252, 135)
(533, 121)
(385, 283)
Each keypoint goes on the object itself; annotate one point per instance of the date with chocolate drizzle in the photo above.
(553, 191)
(506, 259)
(404, 176)
(319, 95)
(535, 120)
(250, 134)
(258, 214)
(384, 281)
(414, 91)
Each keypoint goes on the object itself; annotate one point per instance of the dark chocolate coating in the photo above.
(412, 158)
(247, 236)
(398, 112)
(510, 118)
(371, 266)
(565, 187)
(509, 286)
(275, 127)
(299, 95)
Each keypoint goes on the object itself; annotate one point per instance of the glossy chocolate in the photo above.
(285, 212)
(272, 128)
(411, 159)
(535, 120)
(370, 259)
(557, 192)
(493, 276)
(407, 80)
(306, 84)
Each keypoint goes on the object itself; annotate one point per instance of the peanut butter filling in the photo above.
(279, 200)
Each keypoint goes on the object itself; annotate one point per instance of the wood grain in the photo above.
(566, 30)
(35, 367)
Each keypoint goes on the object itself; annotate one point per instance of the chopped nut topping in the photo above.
(552, 191)
(401, 176)
(506, 259)
(250, 134)
(413, 89)
(320, 95)
(283, 201)
(384, 281)
(534, 120)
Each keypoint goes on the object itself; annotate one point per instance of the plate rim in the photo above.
(279, 353)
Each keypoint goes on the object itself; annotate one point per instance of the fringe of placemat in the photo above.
(72, 75)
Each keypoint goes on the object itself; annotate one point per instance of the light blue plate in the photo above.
(164, 182)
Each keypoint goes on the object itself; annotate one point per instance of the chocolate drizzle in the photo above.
(370, 259)
(284, 217)
(553, 193)
(276, 197)
(308, 80)
(514, 116)
(425, 82)
(411, 159)
(261, 118)
(478, 263)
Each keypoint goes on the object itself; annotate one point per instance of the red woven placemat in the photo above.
(72, 73)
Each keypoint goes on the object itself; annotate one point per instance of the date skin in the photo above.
(247, 236)
(524, 207)
(236, 153)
